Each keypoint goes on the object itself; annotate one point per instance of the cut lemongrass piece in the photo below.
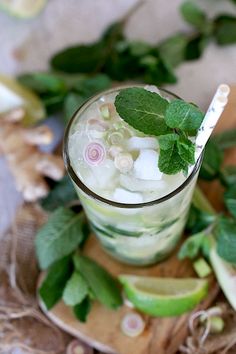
(132, 324)
(202, 268)
(115, 138)
(78, 347)
(211, 118)
(104, 109)
(124, 162)
(115, 150)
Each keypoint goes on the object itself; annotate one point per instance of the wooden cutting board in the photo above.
(161, 335)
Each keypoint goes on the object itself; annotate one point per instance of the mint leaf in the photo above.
(73, 101)
(82, 309)
(198, 220)
(183, 115)
(102, 284)
(228, 175)
(76, 290)
(186, 150)
(193, 15)
(62, 193)
(170, 162)
(43, 83)
(167, 141)
(172, 49)
(143, 110)
(226, 139)
(226, 239)
(230, 200)
(192, 246)
(89, 86)
(225, 29)
(80, 59)
(211, 164)
(195, 46)
(60, 236)
(54, 283)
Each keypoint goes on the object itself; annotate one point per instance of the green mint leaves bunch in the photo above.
(172, 122)
(71, 276)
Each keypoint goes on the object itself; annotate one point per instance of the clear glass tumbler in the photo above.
(139, 234)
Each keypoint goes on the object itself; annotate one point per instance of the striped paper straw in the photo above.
(211, 118)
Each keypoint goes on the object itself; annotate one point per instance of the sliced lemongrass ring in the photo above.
(132, 324)
(124, 162)
(78, 347)
(94, 154)
(115, 138)
(107, 110)
(115, 150)
(97, 124)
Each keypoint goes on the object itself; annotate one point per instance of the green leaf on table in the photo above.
(60, 195)
(139, 48)
(230, 200)
(172, 49)
(186, 150)
(53, 102)
(113, 33)
(191, 246)
(43, 83)
(76, 290)
(170, 161)
(198, 220)
(212, 160)
(102, 284)
(157, 73)
(225, 29)
(72, 103)
(228, 175)
(52, 287)
(226, 139)
(80, 59)
(194, 15)
(82, 309)
(226, 239)
(195, 47)
(143, 110)
(91, 85)
(60, 236)
(183, 115)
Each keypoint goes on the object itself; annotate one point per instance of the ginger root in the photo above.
(28, 164)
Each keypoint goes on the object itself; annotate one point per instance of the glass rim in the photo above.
(96, 196)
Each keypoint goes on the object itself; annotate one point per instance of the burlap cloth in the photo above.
(23, 327)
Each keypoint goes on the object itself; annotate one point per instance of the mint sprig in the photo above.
(173, 122)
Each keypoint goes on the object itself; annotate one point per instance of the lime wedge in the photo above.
(22, 8)
(13, 95)
(164, 296)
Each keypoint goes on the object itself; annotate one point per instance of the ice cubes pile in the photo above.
(114, 160)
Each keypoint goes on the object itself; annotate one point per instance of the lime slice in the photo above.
(13, 95)
(164, 296)
(22, 8)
